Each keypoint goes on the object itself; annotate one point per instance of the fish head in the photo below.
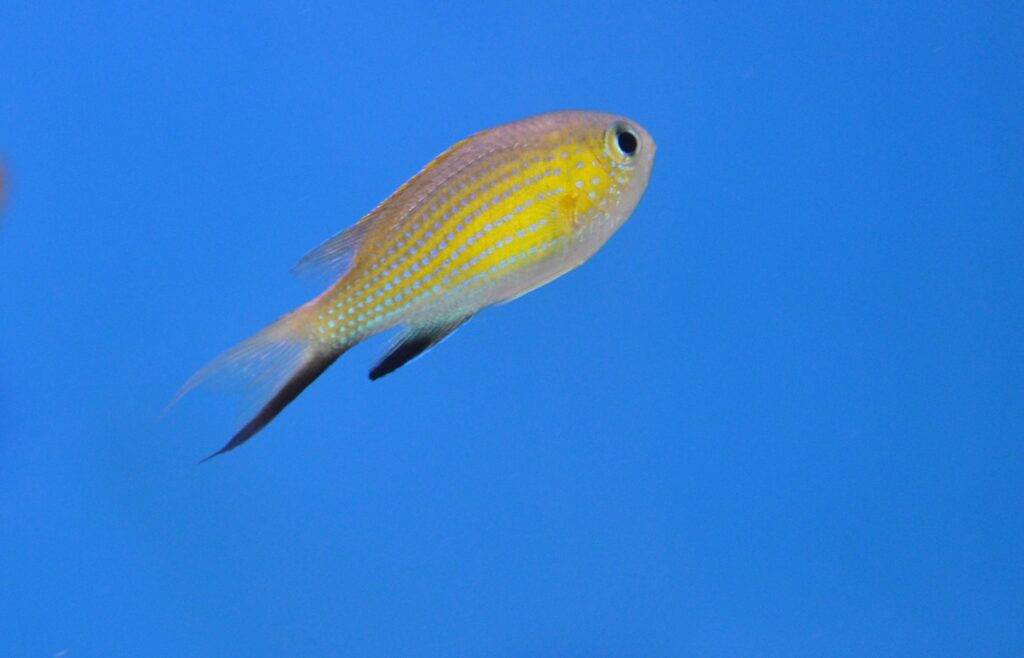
(629, 158)
(607, 164)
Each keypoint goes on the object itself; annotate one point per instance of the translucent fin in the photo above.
(335, 256)
(413, 342)
(270, 369)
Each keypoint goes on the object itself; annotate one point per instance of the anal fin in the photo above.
(413, 342)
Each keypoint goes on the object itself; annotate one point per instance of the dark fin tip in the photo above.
(404, 352)
(298, 383)
(413, 342)
(216, 454)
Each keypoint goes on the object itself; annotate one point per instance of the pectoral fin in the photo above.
(413, 342)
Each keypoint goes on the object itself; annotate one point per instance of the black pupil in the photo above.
(626, 141)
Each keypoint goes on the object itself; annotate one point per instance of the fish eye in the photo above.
(624, 141)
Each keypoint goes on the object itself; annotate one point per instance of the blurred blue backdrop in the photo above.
(780, 414)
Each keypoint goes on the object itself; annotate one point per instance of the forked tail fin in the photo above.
(273, 367)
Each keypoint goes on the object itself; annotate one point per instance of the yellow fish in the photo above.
(493, 217)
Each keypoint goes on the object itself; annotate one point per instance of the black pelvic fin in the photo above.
(411, 343)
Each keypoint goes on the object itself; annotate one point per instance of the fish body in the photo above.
(495, 216)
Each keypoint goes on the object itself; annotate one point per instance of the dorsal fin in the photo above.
(413, 342)
(335, 256)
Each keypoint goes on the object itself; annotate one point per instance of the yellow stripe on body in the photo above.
(504, 216)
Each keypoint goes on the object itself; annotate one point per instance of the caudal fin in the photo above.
(272, 367)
